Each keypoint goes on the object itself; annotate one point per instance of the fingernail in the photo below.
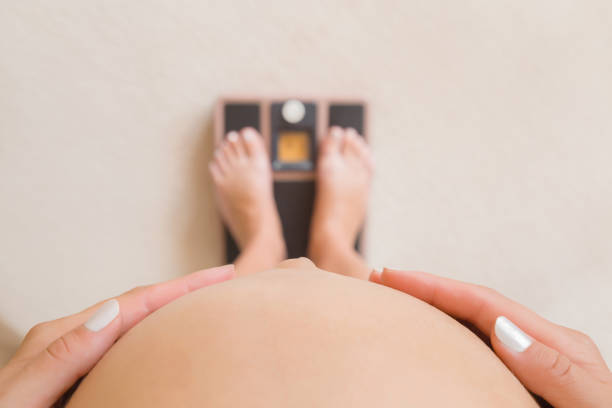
(511, 336)
(103, 316)
(232, 136)
(336, 132)
(375, 275)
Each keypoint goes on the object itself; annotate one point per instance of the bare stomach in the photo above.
(299, 338)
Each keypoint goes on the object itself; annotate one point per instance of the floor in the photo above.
(490, 124)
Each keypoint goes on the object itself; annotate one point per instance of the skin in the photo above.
(253, 334)
(242, 176)
(301, 337)
(55, 354)
(562, 365)
(344, 175)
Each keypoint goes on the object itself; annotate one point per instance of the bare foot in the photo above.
(344, 173)
(242, 176)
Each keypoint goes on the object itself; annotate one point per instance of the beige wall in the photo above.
(491, 126)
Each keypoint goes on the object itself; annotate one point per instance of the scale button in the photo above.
(293, 111)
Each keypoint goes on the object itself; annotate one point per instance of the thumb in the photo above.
(544, 370)
(63, 362)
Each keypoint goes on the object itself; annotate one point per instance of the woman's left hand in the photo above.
(562, 365)
(54, 355)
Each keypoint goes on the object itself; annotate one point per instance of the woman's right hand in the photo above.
(562, 365)
(54, 355)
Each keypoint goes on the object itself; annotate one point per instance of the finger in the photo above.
(375, 276)
(65, 360)
(135, 304)
(46, 376)
(481, 306)
(138, 303)
(476, 304)
(545, 371)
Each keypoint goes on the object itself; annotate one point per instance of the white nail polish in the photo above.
(511, 336)
(103, 316)
(232, 136)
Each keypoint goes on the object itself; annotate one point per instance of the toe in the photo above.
(356, 147)
(252, 142)
(235, 145)
(365, 152)
(215, 172)
(351, 142)
(228, 151)
(332, 142)
(221, 159)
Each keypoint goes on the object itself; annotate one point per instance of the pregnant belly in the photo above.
(299, 338)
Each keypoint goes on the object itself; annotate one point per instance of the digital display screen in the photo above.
(293, 146)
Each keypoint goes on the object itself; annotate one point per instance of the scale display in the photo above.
(293, 146)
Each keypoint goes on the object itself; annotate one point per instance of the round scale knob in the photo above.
(293, 111)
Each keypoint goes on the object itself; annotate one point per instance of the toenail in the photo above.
(248, 134)
(336, 132)
(232, 136)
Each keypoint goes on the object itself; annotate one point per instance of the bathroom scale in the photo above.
(291, 128)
